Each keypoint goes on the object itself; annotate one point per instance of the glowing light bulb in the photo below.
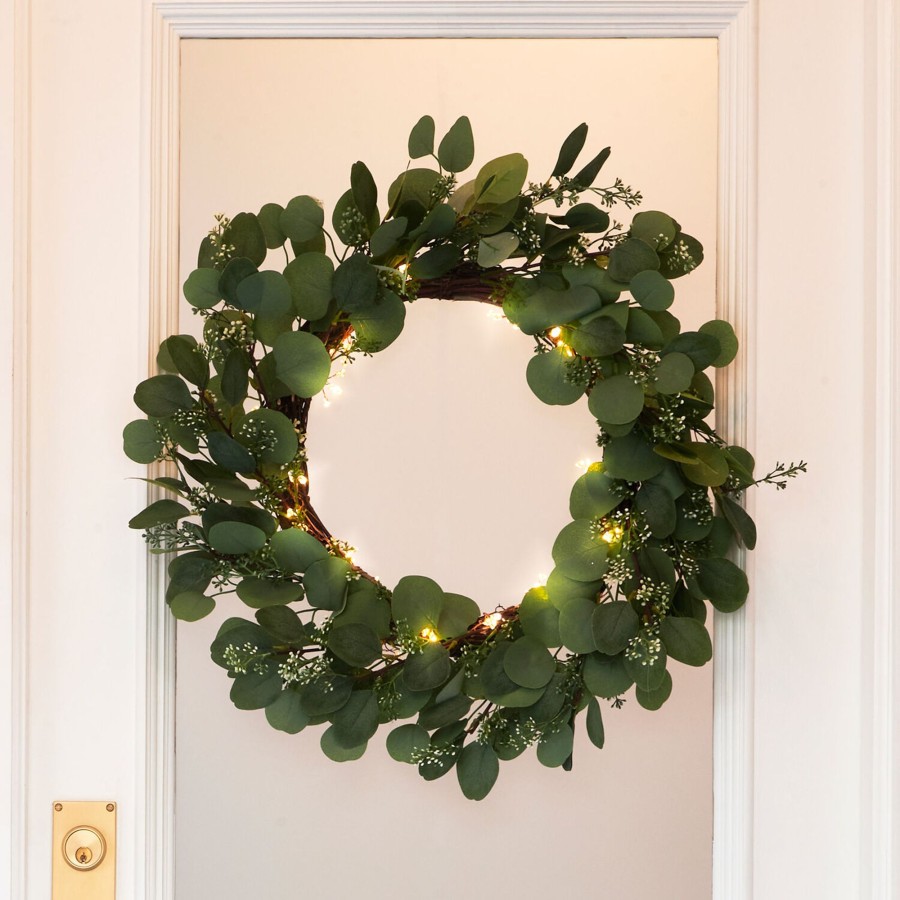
(555, 332)
(583, 464)
(350, 555)
(429, 634)
(493, 620)
(541, 581)
(336, 389)
(290, 514)
(402, 268)
(347, 342)
(613, 535)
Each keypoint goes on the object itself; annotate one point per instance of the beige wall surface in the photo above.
(435, 458)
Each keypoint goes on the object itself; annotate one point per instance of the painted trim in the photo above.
(733, 23)
(14, 277)
(881, 653)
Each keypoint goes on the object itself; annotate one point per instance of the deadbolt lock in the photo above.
(84, 848)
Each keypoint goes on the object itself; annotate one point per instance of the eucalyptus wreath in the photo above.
(654, 522)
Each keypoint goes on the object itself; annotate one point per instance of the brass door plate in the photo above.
(84, 850)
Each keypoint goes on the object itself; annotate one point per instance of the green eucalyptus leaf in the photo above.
(427, 669)
(477, 770)
(593, 495)
(236, 538)
(674, 373)
(529, 663)
(585, 178)
(159, 513)
(270, 221)
(547, 375)
(654, 228)
(601, 336)
(286, 713)
(556, 747)
(356, 721)
(385, 238)
(646, 664)
(302, 219)
(457, 614)
(309, 277)
(683, 255)
(295, 550)
(302, 362)
(163, 395)
(325, 695)
(457, 150)
(540, 618)
(702, 348)
(417, 602)
(614, 624)
(201, 289)
(421, 138)
(594, 722)
(235, 380)
(724, 583)
(268, 434)
(616, 400)
(262, 592)
(575, 625)
(579, 553)
(496, 248)
(190, 606)
(377, 326)
(408, 743)
(739, 519)
(229, 454)
(657, 506)
(235, 271)
(652, 290)
(365, 191)
(245, 234)
(255, 690)
(326, 582)
(606, 676)
(631, 458)
(654, 699)
(570, 149)
(727, 340)
(355, 643)
(686, 640)
(629, 257)
(141, 441)
(501, 179)
(435, 262)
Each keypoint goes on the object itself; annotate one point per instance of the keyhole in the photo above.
(83, 855)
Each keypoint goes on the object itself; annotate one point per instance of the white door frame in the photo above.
(734, 23)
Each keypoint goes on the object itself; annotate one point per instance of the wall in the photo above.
(437, 459)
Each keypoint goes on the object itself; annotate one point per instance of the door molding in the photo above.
(732, 22)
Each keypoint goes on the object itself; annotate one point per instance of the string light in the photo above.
(583, 464)
(613, 535)
(429, 634)
(555, 332)
(493, 620)
(541, 581)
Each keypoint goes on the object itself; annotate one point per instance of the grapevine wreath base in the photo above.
(654, 523)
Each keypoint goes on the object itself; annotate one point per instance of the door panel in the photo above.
(436, 459)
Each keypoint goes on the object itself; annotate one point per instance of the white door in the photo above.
(807, 249)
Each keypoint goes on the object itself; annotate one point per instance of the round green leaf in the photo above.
(614, 624)
(539, 618)
(417, 602)
(356, 644)
(201, 289)
(555, 748)
(286, 713)
(575, 625)
(255, 690)
(629, 257)
(529, 663)
(631, 458)
(724, 583)
(593, 495)
(606, 676)
(601, 336)
(407, 743)
(562, 590)
(325, 695)
(457, 150)
(710, 466)
(703, 348)
(477, 770)
(269, 435)
(301, 362)
(652, 290)
(310, 277)
(326, 582)
(501, 179)
(378, 325)
(356, 721)
(655, 698)
(270, 221)
(245, 234)
(295, 550)
(646, 664)
(229, 454)
(160, 512)
(189, 606)
(163, 395)
(674, 373)
(335, 750)
(654, 228)
(234, 538)
(728, 342)
(686, 640)
(546, 374)
(616, 400)
(457, 614)
(421, 138)
(427, 669)
(141, 441)
(579, 553)
(302, 219)
(262, 592)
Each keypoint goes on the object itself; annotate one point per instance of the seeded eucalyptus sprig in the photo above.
(654, 525)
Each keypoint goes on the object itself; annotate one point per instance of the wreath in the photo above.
(654, 523)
